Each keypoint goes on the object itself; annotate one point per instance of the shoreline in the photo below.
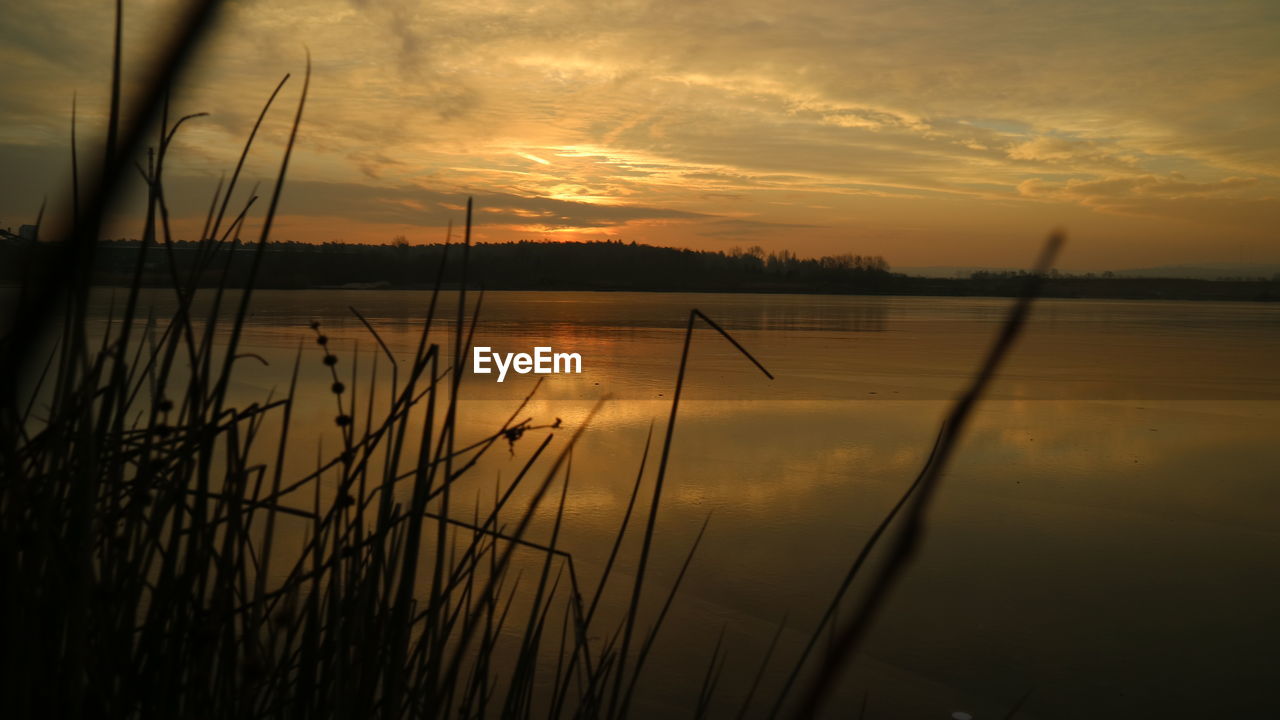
(1266, 291)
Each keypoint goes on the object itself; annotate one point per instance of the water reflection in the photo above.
(1105, 536)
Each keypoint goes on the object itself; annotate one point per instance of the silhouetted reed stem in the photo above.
(916, 499)
(651, 522)
(160, 560)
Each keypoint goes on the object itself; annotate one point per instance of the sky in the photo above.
(950, 132)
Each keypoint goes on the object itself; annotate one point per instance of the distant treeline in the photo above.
(525, 265)
(606, 265)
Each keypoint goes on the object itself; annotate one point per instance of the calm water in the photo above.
(1106, 537)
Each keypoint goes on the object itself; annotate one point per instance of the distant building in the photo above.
(28, 232)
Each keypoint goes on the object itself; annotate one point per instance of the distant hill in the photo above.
(1211, 271)
(1205, 271)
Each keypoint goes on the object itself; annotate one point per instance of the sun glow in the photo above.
(802, 131)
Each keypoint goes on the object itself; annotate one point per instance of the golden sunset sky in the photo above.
(956, 132)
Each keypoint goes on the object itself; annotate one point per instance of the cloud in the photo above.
(431, 208)
(1232, 201)
(845, 116)
(1072, 152)
(746, 229)
(1172, 186)
(397, 18)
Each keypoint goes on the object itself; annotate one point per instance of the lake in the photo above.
(1105, 538)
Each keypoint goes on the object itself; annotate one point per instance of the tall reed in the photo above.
(143, 506)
